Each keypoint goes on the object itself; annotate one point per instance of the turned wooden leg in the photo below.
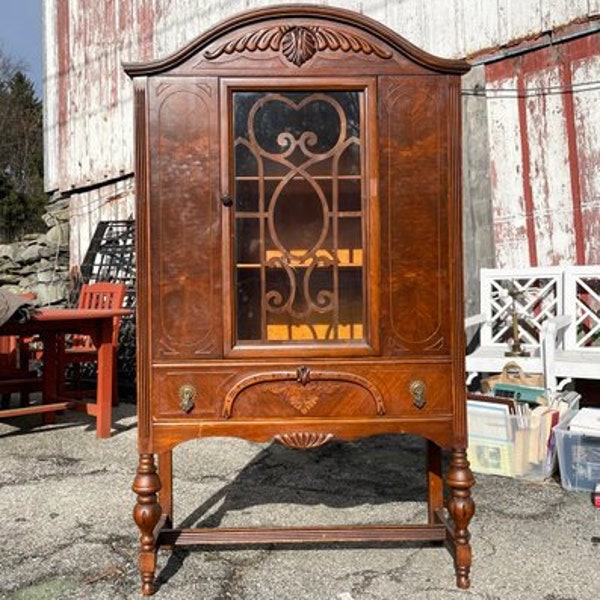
(147, 513)
(461, 508)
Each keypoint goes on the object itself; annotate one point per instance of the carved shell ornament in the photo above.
(304, 440)
(298, 43)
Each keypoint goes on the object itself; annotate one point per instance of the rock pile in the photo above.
(40, 262)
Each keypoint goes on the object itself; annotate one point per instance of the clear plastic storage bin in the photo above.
(578, 458)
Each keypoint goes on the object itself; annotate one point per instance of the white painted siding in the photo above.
(506, 173)
(545, 155)
(88, 98)
(97, 143)
(549, 170)
(51, 76)
(587, 111)
(518, 19)
(558, 12)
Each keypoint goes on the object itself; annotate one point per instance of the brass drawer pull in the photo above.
(187, 394)
(417, 390)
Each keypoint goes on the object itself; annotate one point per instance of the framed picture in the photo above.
(492, 457)
(490, 420)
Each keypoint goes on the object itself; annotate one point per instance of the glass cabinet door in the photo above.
(299, 224)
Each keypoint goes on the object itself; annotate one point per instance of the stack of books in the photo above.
(513, 436)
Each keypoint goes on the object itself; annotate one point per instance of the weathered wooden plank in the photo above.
(51, 105)
(560, 12)
(506, 170)
(559, 135)
(593, 8)
(518, 20)
(586, 100)
(478, 236)
(480, 24)
(549, 172)
(449, 20)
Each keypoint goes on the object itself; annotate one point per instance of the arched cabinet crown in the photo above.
(297, 34)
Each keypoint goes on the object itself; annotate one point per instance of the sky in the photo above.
(21, 36)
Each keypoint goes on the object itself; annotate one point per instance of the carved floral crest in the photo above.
(302, 401)
(298, 43)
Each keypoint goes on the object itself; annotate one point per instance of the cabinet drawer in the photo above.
(313, 390)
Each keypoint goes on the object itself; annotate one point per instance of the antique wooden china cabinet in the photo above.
(299, 258)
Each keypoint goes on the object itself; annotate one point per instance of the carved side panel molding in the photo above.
(185, 150)
(415, 164)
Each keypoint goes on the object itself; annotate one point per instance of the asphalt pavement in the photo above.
(67, 530)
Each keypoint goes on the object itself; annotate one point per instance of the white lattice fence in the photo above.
(582, 291)
(535, 294)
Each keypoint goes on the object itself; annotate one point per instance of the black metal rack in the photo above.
(111, 257)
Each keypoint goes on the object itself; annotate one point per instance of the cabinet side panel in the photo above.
(185, 219)
(142, 276)
(415, 235)
(457, 295)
